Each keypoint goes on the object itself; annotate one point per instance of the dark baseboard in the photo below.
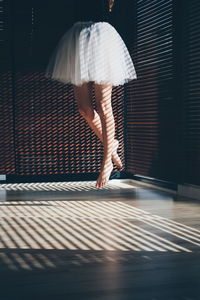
(85, 177)
(161, 183)
(57, 177)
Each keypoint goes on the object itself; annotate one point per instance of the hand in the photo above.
(111, 2)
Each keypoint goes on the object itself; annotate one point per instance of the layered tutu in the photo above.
(91, 51)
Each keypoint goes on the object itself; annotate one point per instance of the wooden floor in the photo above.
(72, 241)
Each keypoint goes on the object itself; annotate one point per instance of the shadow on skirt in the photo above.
(91, 51)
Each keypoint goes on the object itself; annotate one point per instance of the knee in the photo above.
(87, 113)
(104, 111)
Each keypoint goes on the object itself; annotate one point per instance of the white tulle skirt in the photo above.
(91, 51)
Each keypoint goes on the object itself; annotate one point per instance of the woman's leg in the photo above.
(83, 95)
(103, 94)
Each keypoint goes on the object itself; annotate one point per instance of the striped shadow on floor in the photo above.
(34, 233)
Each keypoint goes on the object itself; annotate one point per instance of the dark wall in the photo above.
(190, 53)
(163, 105)
(7, 149)
(42, 132)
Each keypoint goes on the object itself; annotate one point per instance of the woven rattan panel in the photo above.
(153, 129)
(7, 154)
(191, 90)
(50, 135)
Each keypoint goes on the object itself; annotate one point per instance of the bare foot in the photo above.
(104, 175)
(115, 157)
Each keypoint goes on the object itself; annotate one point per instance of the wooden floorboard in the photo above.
(71, 241)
